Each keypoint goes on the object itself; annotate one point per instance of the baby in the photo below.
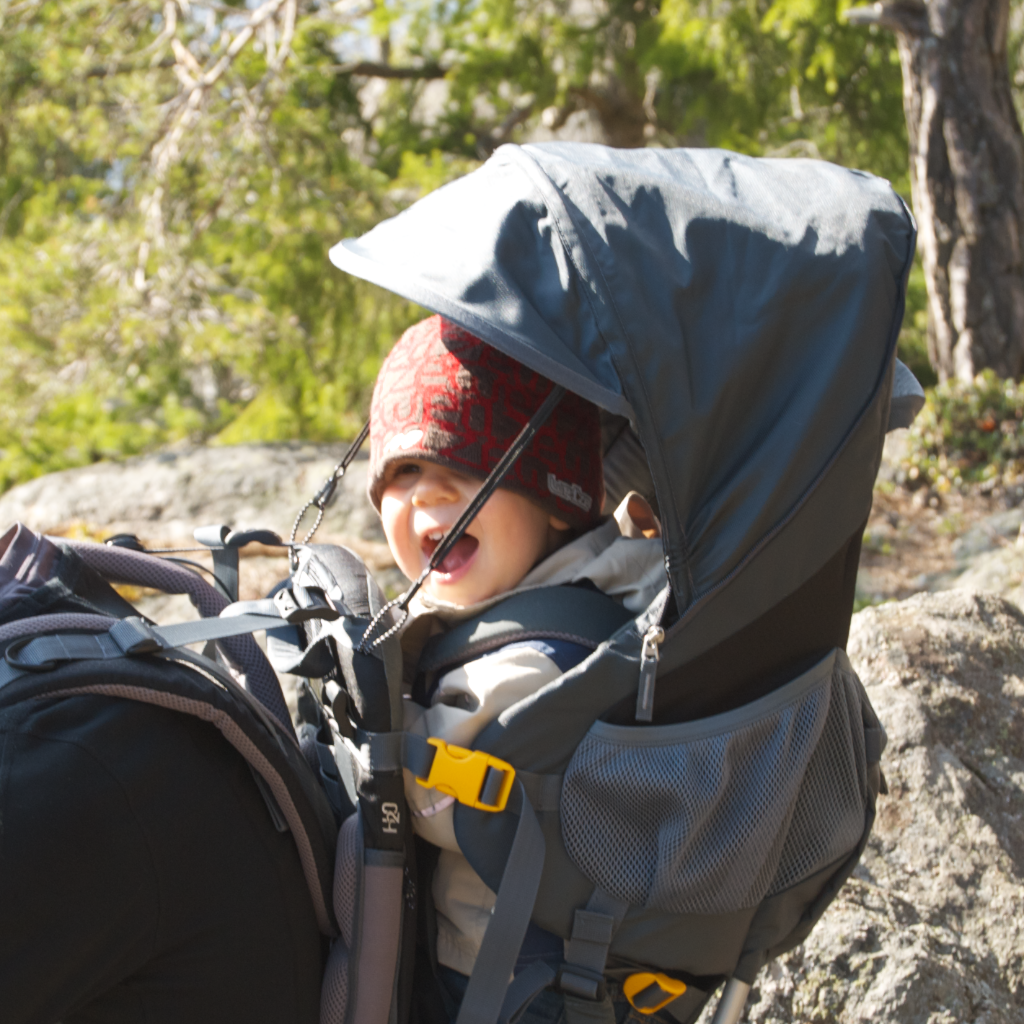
(446, 406)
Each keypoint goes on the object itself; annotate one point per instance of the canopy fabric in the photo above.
(741, 312)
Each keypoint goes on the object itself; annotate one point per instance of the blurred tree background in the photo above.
(173, 173)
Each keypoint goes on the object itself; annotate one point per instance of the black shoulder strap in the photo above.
(579, 615)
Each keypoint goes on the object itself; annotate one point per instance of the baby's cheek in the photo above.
(395, 523)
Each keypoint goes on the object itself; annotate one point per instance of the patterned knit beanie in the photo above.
(444, 395)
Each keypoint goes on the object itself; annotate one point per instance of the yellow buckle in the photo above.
(462, 773)
(637, 985)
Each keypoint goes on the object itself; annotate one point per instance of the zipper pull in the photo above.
(648, 670)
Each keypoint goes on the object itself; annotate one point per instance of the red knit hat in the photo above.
(444, 395)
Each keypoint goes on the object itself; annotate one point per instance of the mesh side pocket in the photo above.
(828, 820)
(692, 818)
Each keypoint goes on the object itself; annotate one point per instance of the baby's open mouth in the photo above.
(462, 551)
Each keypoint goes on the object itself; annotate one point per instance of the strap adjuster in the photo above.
(134, 636)
(473, 777)
(647, 993)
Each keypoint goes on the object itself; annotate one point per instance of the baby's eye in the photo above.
(404, 469)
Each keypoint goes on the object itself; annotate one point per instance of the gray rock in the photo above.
(171, 492)
(931, 927)
(1000, 571)
(989, 534)
(162, 498)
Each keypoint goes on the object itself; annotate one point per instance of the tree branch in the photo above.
(10, 206)
(371, 69)
(906, 16)
(107, 70)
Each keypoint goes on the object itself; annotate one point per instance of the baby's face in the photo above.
(421, 501)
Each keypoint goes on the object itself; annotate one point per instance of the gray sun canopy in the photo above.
(741, 312)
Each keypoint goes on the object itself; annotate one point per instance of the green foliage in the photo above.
(163, 270)
(913, 341)
(968, 434)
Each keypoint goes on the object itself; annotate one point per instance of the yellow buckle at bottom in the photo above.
(637, 989)
(461, 773)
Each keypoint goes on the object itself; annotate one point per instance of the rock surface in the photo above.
(167, 494)
(930, 929)
(161, 498)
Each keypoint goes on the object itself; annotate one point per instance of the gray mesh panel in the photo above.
(691, 818)
(55, 623)
(347, 860)
(334, 990)
(829, 817)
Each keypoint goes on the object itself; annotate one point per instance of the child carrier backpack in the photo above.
(681, 805)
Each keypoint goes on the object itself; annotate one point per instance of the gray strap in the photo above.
(588, 1011)
(183, 633)
(874, 743)
(544, 791)
(125, 638)
(43, 653)
(225, 570)
(385, 750)
(576, 614)
(418, 755)
(485, 994)
(586, 951)
(525, 987)
(224, 545)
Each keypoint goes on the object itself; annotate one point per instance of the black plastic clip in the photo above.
(300, 604)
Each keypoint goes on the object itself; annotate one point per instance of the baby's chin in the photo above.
(456, 594)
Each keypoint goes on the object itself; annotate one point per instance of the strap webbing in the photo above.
(544, 791)
(125, 638)
(575, 614)
(874, 743)
(489, 982)
(586, 951)
(525, 987)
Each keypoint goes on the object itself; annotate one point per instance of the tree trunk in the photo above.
(967, 179)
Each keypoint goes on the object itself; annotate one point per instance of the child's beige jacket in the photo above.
(619, 560)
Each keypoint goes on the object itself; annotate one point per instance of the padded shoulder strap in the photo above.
(579, 615)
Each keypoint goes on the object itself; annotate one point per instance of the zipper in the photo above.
(649, 655)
